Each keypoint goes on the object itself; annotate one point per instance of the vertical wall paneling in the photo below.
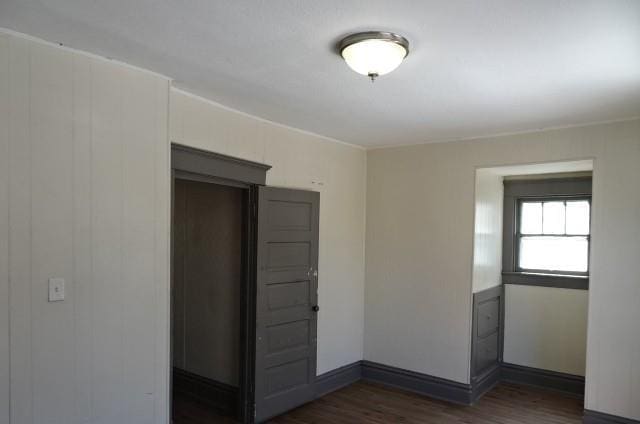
(4, 231)
(138, 241)
(50, 118)
(107, 249)
(20, 231)
(487, 236)
(161, 258)
(84, 196)
(82, 236)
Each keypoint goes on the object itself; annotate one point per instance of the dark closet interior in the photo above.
(208, 237)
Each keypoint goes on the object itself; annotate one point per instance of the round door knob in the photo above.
(315, 308)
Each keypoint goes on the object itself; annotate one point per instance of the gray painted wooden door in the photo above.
(286, 310)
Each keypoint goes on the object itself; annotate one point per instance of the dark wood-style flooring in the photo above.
(365, 402)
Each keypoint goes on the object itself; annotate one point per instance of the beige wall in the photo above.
(305, 161)
(546, 327)
(83, 196)
(419, 253)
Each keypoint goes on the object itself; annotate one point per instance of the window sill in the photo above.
(577, 282)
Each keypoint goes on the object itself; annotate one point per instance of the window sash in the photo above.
(519, 235)
(544, 200)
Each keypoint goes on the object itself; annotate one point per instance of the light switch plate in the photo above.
(56, 289)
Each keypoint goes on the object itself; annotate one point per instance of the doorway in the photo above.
(208, 244)
(243, 290)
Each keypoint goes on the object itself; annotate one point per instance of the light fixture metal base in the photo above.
(373, 35)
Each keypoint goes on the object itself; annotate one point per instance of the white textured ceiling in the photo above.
(475, 68)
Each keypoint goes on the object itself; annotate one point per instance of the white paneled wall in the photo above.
(84, 196)
(487, 234)
(4, 233)
(307, 161)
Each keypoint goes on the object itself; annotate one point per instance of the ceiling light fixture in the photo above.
(374, 53)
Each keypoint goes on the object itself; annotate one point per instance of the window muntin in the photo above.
(553, 235)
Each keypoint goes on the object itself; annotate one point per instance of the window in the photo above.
(552, 235)
(546, 236)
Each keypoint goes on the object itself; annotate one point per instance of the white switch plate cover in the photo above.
(56, 289)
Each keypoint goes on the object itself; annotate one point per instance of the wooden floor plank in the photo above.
(371, 403)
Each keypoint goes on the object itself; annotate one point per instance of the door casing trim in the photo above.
(209, 167)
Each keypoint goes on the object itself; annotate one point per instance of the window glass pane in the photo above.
(578, 217)
(553, 218)
(531, 218)
(554, 253)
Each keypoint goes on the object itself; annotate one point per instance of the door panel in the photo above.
(288, 256)
(286, 324)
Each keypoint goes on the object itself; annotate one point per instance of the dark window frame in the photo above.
(517, 191)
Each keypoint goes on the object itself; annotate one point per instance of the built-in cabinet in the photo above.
(486, 342)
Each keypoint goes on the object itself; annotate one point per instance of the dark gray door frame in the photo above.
(205, 163)
(200, 165)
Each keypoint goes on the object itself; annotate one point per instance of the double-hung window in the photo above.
(552, 235)
(546, 234)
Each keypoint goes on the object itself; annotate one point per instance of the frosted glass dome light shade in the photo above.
(374, 53)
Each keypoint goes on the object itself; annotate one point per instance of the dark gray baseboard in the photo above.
(565, 383)
(593, 417)
(452, 391)
(485, 382)
(423, 384)
(338, 378)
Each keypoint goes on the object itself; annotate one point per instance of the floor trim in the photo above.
(338, 378)
(453, 391)
(485, 382)
(594, 417)
(438, 388)
(566, 383)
